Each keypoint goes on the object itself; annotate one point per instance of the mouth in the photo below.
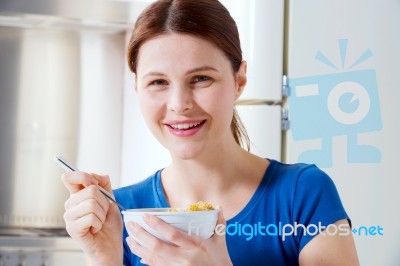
(185, 128)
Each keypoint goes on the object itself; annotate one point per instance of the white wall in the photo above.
(100, 130)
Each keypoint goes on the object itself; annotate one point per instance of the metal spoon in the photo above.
(69, 168)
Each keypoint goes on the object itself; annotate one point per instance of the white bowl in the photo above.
(199, 223)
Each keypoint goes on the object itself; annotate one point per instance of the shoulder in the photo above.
(298, 175)
(294, 169)
(292, 187)
(298, 172)
(306, 180)
(305, 189)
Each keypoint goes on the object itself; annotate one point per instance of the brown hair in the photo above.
(207, 19)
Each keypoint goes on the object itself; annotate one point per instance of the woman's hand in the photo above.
(183, 249)
(92, 220)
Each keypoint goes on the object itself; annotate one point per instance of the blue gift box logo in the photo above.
(344, 103)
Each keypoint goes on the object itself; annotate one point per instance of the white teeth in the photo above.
(185, 126)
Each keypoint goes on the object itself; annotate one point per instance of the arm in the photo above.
(326, 249)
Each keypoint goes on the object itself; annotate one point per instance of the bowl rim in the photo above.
(164, 211)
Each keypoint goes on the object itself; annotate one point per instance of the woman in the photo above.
(188, 68)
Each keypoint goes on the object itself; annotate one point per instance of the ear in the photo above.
(240, 79)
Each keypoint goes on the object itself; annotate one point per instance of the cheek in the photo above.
(219, 101)
(150, 108)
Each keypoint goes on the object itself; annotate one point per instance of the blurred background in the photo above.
(323, 88)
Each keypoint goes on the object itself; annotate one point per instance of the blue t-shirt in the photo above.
(297, 198)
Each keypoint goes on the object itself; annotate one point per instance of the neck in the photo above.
(212, 177)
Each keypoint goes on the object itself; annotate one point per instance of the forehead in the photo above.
(179, 50)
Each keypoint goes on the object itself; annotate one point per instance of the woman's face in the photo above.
(186, 90)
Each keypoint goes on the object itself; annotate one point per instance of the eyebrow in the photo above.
(202, 68)
(197, 69)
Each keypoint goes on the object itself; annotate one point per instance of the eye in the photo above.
(158, 82)
(200, 78)
(201, 81)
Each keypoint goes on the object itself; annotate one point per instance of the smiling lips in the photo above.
(185, 128)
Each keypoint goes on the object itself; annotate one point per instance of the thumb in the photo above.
(220, 227)
(221, 218)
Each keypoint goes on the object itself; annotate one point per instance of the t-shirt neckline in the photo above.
(162, 198)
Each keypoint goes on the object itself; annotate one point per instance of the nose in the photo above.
(180, 99)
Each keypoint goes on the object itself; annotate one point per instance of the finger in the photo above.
(81, 226)
(170, 233)
(104, 182)
(75, 181)
(150, 242)
(139, 251)
(89, 193)
(220, 228)
(86, 207)
(88, 215)
(221, 218)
